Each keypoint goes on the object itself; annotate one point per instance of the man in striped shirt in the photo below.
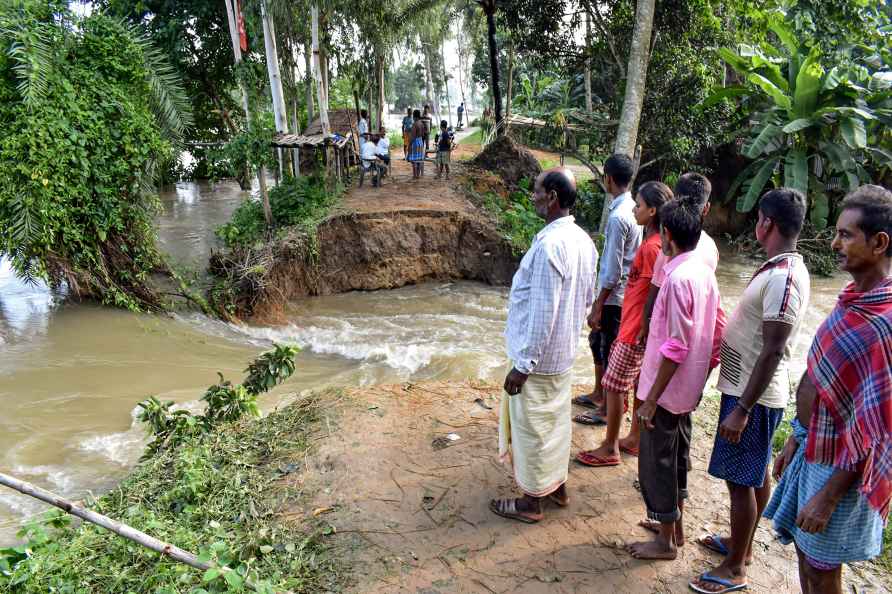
(755, 382)
(551, 294)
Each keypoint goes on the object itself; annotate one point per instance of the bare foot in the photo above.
(654, 526)
(656, 550)
(605, 451)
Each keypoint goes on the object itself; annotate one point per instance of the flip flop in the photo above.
(589, 418)
(558, 501)
(588, 459)
(728, 585)
(714, 543)
(507, 508)
(628, 450)
(584, 400)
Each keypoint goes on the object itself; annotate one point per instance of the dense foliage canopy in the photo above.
(90, 112)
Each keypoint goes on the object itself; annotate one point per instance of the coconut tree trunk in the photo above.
(321, 90)
(509, 89)
(588, 60)
(489, 9)
(639, 55)
(275, 76)
(308, 59)
(382, 100)
(428, 77)
(232, 18)
(446, 82)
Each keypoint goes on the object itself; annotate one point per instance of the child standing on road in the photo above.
(445, 141)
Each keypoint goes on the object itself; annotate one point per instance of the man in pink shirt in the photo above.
(679, 355)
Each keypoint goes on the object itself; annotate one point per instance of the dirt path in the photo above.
(400, 192)
(412, 518)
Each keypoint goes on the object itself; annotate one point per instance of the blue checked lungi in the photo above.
(744, 463)
(416, 150)
(855, 530)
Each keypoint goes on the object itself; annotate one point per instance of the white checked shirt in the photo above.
(551, 294)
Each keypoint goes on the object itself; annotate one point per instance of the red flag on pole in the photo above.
(242, 34)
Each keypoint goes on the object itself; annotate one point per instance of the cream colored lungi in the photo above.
(535, 432)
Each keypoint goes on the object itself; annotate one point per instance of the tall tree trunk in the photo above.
(633, 102)
(275, 76)
(588, 59)
(382, 100)
(446, 83)
(461, 58)
(428, 76)
(308, 59)
(321, 89)
(232, 18)
(489, 8)
(509, 89)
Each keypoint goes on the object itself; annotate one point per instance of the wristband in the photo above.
(743, 408)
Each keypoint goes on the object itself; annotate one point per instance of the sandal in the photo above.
(628, 450)
(507, 508)
(727, 585)
(714, 543)
(588, 459)
(558, 501)
(589, 418)
(586, 401)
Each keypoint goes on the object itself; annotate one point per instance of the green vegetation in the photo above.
(475, 137)
(225, 403)
(297, 203)
(90, 114)
(215, 489)
(814, 122)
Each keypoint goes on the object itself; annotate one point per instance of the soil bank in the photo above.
(404, 232)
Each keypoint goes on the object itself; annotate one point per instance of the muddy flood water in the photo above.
(71, 375)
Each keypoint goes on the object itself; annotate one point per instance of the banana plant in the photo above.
(817, 130)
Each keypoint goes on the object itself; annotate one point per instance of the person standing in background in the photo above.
(407, 131)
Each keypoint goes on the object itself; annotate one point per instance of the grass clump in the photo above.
(513, 214)
(216, 494)
(298, 202)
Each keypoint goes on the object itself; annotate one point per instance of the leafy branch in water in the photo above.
(226, 402)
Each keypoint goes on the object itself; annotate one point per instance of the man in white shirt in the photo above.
(551, 294)
(368, 154)
(755, 381)
(383, 147)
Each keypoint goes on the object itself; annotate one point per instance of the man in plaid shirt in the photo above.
(551, 294)
(836, 469)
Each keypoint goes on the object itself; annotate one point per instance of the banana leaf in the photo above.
(754, 185)
(720, 93)
(762, 141)
(854, 132)
(808, 85)
(796, 170)
(780, 98)
(820, 205)
(798, 124)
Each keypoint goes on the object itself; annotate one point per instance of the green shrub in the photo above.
(297, 202)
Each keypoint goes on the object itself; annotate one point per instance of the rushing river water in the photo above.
(71, 375)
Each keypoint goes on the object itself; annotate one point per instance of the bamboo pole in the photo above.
(150, 542)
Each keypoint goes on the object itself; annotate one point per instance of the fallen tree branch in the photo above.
(150, 542)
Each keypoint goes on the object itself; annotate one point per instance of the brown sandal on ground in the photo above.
(589, 459)
(507, 508)
(558, 501)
